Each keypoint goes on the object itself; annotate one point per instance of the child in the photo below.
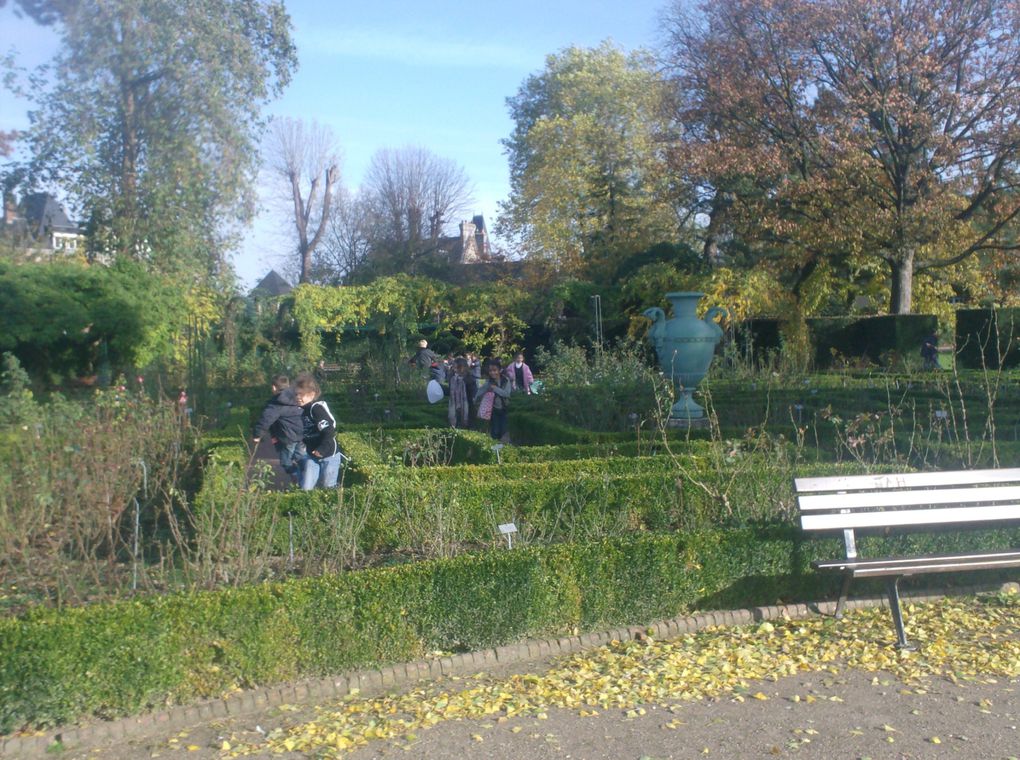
(930, 352)
(321, 464)
(461, 389)
(520, 375)
(281, 417)
(493, 398)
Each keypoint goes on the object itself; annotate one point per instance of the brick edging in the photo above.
(371, 681)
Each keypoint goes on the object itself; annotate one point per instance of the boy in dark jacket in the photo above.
(321, 464)
(281, 418)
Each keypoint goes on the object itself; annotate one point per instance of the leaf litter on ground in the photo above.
(959, 639)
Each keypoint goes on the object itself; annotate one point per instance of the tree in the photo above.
(44, 12)
(300, 154)
(66, 318)
(152, 118)
(587, 185)
(411, 196)
(857, 129)
(345, 247)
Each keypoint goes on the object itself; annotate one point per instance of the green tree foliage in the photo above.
(882, 129)
(486, 318)
(65, 319)
(151, 121)
(587, 186)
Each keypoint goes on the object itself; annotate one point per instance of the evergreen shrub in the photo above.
(119, 658)
(873, 338)
(988, 338)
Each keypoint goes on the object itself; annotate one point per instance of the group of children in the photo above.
(465, 386)
(303, 431)
(303, 428)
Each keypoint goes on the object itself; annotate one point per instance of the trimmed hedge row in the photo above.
(988, 338)
(871, 337)
(411, 508)
(58, 666)
(108, 660)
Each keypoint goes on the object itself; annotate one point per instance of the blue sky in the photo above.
(394, 73)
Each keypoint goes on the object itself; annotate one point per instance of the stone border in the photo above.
(372, 681)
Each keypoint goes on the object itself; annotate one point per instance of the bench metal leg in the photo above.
(893, 585)
(843, 591)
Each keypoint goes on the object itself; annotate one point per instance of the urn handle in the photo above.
(714, 312)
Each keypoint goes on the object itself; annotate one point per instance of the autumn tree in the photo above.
(306, 159)
(856, 128)
(152, 118)
(587, 182)
(411, 198)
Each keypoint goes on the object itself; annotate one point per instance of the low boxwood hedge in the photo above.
(114, 659)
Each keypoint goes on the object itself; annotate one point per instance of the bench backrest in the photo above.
(917, 500)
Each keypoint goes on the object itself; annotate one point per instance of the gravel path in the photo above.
(853, 715)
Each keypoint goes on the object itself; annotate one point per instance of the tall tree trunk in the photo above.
(721, 203)
(128, 170)
(901, 298)
(303, 214)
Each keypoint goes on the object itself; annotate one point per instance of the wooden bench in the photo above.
(903, 503)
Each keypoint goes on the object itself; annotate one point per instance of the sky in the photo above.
(387, 74)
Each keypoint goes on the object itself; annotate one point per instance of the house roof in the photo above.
(272, 284)
(43, 213)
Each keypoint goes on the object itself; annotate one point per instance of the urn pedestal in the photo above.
(685, 346)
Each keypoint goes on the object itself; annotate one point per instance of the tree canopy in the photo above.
(587, 184)
(65, 318)
(410, 196)
(855, 128)
(306, 154)
(150, 120)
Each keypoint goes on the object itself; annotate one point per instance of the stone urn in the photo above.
(685, 346)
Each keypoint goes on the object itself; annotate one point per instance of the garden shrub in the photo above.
(118, 658)
(987, 338)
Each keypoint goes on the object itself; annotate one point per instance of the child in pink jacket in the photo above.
(520, 375)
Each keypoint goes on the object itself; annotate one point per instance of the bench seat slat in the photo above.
(905, 480)
(917, 565)
(907, 517)
(909, 498)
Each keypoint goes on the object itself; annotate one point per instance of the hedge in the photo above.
(550, 501)
(108, 660)
(869, 337)
(987, 338)
(114, 659)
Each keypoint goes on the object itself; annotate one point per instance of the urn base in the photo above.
(686, 408)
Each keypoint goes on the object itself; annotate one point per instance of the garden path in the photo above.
(266, 452)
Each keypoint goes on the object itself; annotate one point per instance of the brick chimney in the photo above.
(468, 252)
